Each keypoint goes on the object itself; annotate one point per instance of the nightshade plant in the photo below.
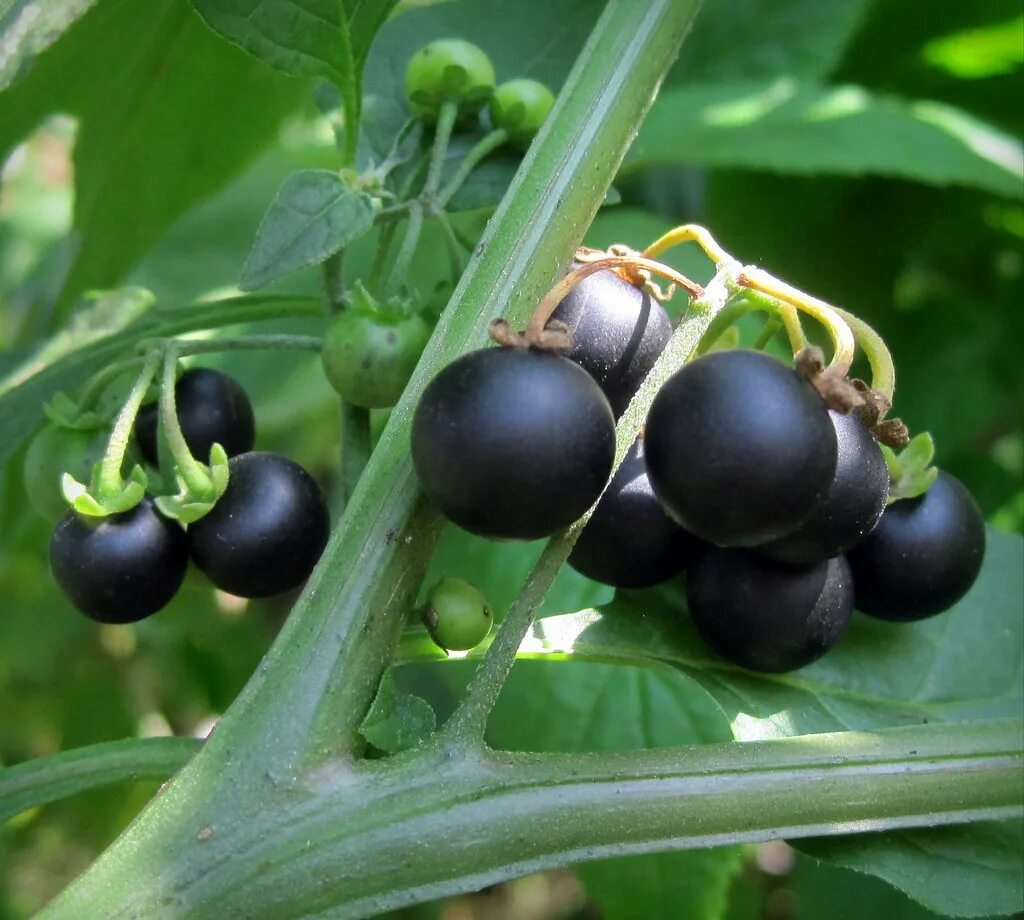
(329, 790)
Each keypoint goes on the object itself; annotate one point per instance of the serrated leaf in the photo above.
(29, 27)
(138, 162)
(569, 707)
(397, 721)
(971, 870)
(789, 127)
(314, 215)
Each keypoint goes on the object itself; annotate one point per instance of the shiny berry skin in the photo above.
(740, 448)
(121, 568)
(266, 532)
(56, 450)
(520, 107)
(212, 409)
(617, 332)
(369, 356)
(448, 69)
(457, 615)
(852, 506)
(765, 616)
(629, 541)
(923, 556)
(513, 443)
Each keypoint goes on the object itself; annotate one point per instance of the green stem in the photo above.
(355, 447)
(455, 265)
(483, 147)
(468, 723)
(334, 281)
(187, 347)
(883, 372)
(400, 270)
(393, 212)
(192, 472)
(93, 390)
(380, 259)
(772, 325)
(787, 314)
(442, 137)
(110, 482)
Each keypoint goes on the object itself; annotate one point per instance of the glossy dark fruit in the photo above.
(923, 556)
(513, 443)
(457, 615)
(852, 506)
(56, 450)
(212, 409)
(740, 448)
(766, 616)
(266, 532)
(369, 355)
(629, 541)
(617, 332)
(121, 568)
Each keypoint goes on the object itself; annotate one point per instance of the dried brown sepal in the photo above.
(837, 391)
(556, 336)
(892, 432)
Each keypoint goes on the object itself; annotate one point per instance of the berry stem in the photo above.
(549, 303)
(483, 148)
(192, 472)
(185, 347)
(355, 447)
(687, 233)
(403, 260)
(102, 379)
(380, 259)
(772, 324)
(883, 372)
(757, 280)
(451, 244)
(334, 281)
(469, 720)
(110, 482)
(442, 136)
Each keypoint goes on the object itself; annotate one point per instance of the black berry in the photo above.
(212, 409)
(740, 448)
(512, 442)
(618, 332)
(266, 532)
(766, 616)
(852, 506)
(923, 556)
(121, 568)
(629, 541)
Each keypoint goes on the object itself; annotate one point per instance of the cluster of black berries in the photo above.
(774, 505)
(263, 536)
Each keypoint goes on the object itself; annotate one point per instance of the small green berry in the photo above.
(448, 70)
(457, 615)
(520, 107)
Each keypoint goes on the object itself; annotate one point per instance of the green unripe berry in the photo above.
(457, 615)
(448, 69)
(369, 355)
(520, 107)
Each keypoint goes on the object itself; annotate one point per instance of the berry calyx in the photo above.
(457, 615)
(520, 108)
(765, 616)
(616, 331)
(512, 442)
(120, 568)
(852, 505)
(629, 541)
(448, 70)
(266, 532)
(923, 556)
(740, 449)
(369, 355)
(212, 409)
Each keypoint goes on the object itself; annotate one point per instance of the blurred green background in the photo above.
(936, 267)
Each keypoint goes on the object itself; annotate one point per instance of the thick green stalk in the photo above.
(349, 845)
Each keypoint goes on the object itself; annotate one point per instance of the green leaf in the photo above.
(583, 707)
(918, 454)
(23, 393)
(745, 39)
(971, 870)
(397, 721)
(48, 779)
(789, 127)
(314, 215)
(29, 27)
(139, 163)
(964, 664)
